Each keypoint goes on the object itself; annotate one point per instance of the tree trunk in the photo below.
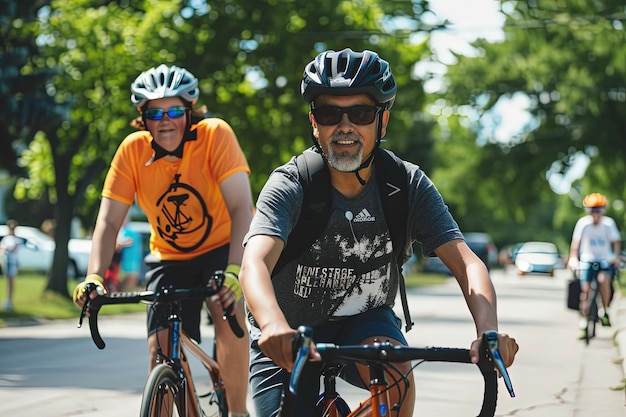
(57, 276)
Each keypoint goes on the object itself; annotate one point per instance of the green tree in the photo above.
(568, 58)
(249, 56)
(95, 47)
(25, 108)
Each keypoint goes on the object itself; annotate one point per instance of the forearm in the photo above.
(102, 248)
(238, 198)
(573, 253)
(259, 294)
(480, 297)
(259, 259)
(110, 218)
(240, 221)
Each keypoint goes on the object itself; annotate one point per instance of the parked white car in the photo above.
(37, 252)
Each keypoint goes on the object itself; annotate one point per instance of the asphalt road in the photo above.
(53, 369)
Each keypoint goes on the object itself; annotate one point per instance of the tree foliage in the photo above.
(568, 58)
(93, 47)
(25, 108)
(248, 55)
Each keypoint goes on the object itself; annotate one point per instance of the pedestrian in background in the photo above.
(9, 247)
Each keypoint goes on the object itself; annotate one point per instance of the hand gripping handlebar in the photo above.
(92, 307)
(381, 353)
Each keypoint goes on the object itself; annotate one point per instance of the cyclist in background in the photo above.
(595, 239)
(190, 176)
(344, 285)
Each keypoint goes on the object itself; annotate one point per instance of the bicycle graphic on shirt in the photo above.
(178, 225)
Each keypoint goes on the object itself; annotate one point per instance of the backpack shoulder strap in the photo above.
(392, 185)
(314, 177)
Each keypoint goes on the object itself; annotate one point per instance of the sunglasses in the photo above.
(597, 209)
(172, 113)
(359, 115)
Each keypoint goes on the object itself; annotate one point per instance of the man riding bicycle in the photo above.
(596, 240)
(344, 283)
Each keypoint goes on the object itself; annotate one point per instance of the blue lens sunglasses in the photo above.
(172, 113)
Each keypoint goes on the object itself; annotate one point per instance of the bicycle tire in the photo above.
(163, 390)
(592, 320)
(220, 402)
(592, 314)
(220, 394)
(331, 406)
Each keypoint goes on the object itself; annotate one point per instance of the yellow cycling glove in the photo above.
(231, 280)
(89, 279)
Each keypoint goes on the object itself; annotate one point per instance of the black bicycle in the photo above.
(380, 357)
(590, 308)
(169, 389)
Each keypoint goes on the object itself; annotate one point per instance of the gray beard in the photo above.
(345, 162)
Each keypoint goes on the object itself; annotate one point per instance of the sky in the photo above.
(470, 19)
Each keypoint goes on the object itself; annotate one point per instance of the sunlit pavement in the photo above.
(52, 369)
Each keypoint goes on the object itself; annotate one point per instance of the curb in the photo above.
(619, 314)
(620, 333)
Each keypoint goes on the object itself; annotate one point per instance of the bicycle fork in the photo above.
(330, 403)
(188, 400)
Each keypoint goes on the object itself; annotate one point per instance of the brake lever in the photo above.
(232, 321)
(490, 338)
(83, 313)
(218, 280)
(88, 289)
(301, 346)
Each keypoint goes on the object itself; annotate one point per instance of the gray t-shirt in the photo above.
(350, 268)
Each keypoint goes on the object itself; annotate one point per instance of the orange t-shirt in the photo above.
(182, 200)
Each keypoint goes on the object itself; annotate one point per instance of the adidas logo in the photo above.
(364, 216)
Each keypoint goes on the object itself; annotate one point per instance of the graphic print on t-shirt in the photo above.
(184, 222)
(345, 272)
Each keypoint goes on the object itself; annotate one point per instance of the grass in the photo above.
(30, 301)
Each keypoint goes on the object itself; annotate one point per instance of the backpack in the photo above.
(314, 177)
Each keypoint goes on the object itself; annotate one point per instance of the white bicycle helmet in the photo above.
(162, 82)
(348, 72)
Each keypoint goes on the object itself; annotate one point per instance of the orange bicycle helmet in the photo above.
(594, 200)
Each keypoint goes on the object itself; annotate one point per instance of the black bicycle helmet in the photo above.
(347, 73)
(162, 82)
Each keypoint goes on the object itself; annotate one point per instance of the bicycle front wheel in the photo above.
(163, 395)
(592, 318)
